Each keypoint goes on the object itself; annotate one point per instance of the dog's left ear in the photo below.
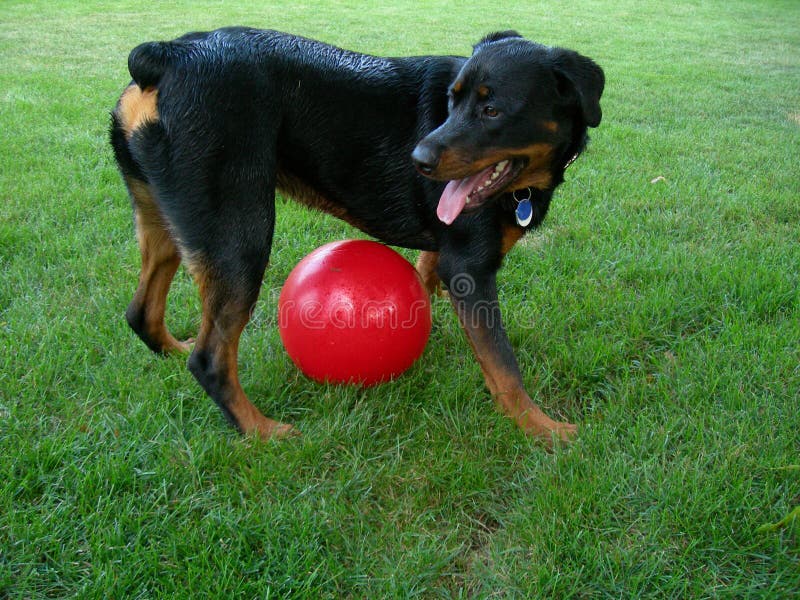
(579, 75)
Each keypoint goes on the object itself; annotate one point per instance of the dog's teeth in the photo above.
(495, 175)
(500, 166)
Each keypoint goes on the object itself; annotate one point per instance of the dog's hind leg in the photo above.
(135, 110)
(160, 261)
(229, 271)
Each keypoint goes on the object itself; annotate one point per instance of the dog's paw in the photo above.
(173, 346)
(284, 430)
(275, 430)
(544, 429)
(185, 346)
(264, 428)
(563, 433)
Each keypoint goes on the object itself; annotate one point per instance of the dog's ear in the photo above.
(579, 75)
(495, 37)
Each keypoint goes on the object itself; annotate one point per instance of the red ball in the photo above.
(354, 312)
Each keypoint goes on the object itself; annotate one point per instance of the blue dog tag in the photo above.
(524, 212)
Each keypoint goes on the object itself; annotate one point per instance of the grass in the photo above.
(657, 307)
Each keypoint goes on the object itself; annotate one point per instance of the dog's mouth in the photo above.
(472, 192)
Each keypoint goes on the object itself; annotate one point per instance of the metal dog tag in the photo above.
(524, 212)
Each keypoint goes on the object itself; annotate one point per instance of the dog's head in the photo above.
(517, 116)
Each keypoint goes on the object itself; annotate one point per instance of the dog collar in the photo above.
(571, 160)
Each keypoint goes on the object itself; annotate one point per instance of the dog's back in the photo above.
(287, 99)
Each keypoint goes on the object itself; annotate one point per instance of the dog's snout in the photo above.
(425, 157)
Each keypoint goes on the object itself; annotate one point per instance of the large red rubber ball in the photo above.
(354, 312)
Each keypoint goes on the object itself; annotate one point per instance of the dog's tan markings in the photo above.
(457, 165)
(160, 261)
(537, 174)
(458, 86)
(454, 165)
(540, 180)
(426, 267)
(511, 235)
(550, 126)
(137, 107)
(298, 190)
(538, 154)
(512, 399)
(507, 389)
(483, 92)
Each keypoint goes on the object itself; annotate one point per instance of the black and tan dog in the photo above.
(456, 157)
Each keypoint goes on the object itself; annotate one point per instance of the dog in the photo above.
(455, 156)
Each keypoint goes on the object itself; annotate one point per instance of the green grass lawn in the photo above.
(658, 308)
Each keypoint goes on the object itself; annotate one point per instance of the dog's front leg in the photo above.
(474, 297)
(427, 264)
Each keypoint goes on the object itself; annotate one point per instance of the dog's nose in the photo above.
(425, 158)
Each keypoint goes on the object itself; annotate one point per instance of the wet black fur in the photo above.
(237, 105)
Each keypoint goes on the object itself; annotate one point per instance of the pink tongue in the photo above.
(454, 196)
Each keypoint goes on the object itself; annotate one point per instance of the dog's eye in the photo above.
(490, 111)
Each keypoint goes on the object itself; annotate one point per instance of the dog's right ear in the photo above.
(496, 37)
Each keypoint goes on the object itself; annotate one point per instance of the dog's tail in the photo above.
(148, 62)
